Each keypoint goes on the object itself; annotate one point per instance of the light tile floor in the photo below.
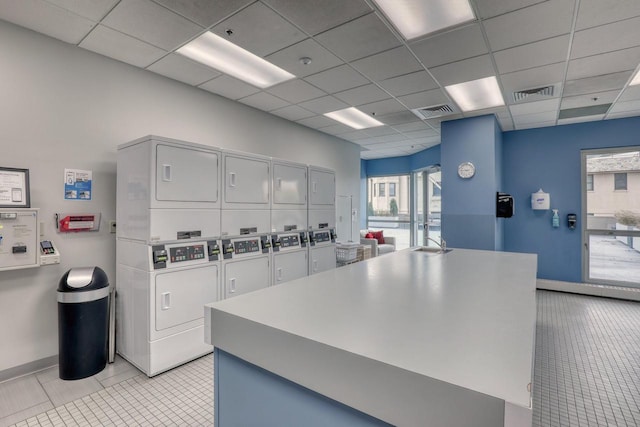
(587, 373)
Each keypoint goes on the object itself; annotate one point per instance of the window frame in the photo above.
(615, 181)
(392, 185)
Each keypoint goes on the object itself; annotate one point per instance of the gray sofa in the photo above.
(377, 249)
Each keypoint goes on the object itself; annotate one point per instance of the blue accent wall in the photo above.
(549, 158)
(246, 395)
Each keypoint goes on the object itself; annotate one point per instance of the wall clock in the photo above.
(466, 170)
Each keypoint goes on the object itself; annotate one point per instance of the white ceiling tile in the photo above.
(420, 134)
(580, 119)
(620, 107)
(317, 16)
(603, 83)
(541, 21)
(323, 105)
(359, 38)
(522, 126)
(409, 83)
(204, 12)
(296, 91)
(398, 118)
(587, 100)
(264, 101)
(464, 71)
(412, 126)
(317, 122)
(293, 112)
(381, 131)
(354, 136)
(623, 114)
(259, 30)
(606, 38)
(91, 9)
(631, 93)
(535, 107)
(543, 117)
(532, 55)
(598, 12)
(391, 63)
(337, 129)
(116, 45)
(533, 77)
(362, 95)
(182, 69)
(151, 23)
(451, 46)
(337, 79)
(290, 58)
(497, 111)
(382, 108)
(427, 98)
(229, 87)
(489, 8)
(385, 139)
(46, 18)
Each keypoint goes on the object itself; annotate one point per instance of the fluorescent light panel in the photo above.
(354, 118)
(476, 94)
(415, 18)
(636, 79)
(216, 52)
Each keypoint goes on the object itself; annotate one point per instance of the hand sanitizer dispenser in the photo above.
(540, 200)
(555, 220)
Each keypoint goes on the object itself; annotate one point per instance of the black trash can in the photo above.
(83, 322)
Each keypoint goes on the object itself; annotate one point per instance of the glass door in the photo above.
(611, 216)
(428, 206)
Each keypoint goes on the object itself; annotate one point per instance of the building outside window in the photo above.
(620, 181)
(381, 191)
(590, 182)
(392, 189)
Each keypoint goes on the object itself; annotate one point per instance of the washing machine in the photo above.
(322, 250)
(290, 256)
(246, 264)
(161, 291)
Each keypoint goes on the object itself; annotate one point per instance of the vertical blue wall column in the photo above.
(469, 205)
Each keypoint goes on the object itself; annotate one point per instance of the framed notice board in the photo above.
(14, 188)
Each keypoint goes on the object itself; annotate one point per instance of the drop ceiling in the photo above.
(588, 50)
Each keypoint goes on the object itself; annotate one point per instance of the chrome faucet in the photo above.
(441, 243)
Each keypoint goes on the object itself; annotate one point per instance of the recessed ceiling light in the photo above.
(636, 79)
(216, 52)
(476, 94)
(354, 118)
(415, 18)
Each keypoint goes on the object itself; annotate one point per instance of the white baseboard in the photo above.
(28, 368)
(632, 294)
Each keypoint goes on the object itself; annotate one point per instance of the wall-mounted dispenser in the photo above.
(572, 220)
(555, 219)
(540, 200)
(504, 205)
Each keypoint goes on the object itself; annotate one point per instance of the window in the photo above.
(381, 190)
(437, 189)
(392, 189)
(620, 181)
(590, 182)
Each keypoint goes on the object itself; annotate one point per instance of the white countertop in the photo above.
(466, 318)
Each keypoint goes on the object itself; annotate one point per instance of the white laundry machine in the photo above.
(246, 264)
(290, 256)
(322, 250)
(161, 291)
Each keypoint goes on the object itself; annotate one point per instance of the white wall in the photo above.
(64, 107)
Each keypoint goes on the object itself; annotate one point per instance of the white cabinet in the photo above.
(246, 181)
(289, 185)
(322, 258)
(322, 188)
(246, 275)
(290, 266)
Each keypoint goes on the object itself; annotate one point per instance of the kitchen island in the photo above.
(411, 339)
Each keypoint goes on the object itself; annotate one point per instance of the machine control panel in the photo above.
(285, 241)
(19, 233)
(321, 237)
(214, 250)
(176, 255)
(186, 253)
(247, 246)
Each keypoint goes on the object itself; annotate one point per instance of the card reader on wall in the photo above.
(48, 253)
(504, 205)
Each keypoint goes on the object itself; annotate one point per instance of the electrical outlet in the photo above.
(112, 227)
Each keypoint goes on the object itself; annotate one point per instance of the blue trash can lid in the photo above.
(83, 279)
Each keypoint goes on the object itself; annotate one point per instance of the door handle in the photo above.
(315, 265)
(166, 301)
(314, 187)
(279, 270)
(232, 286)
(166, 173)
(279, 183)
(232, 179)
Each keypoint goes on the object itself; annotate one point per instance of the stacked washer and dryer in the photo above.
(196, 224)
(167, 250)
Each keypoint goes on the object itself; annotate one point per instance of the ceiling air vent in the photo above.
(433, 111)
(521, 95)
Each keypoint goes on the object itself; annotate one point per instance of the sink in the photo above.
(432, 250)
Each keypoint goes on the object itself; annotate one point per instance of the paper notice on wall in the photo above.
(77, 184)
(13, 188)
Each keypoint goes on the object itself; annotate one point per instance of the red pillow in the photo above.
(378, 236)
(368, 236)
